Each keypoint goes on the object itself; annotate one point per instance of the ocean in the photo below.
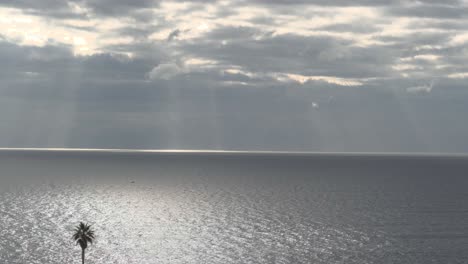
(168, 207)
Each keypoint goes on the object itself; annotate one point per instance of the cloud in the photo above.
(173, 35)
(354, 28)
(290, 53)
(315, 105)
(74, 108)
(139, 33)
(138, 8)
(118, 7)
(422, 89)
(58, 61)
(329, 3)
(165, 71)
(70, 9)
(431, 11)
(190, 74)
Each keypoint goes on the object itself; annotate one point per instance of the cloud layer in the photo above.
(387, 75)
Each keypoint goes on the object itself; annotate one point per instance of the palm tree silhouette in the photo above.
(83, 235)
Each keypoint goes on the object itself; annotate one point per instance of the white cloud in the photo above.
(332, 80)
(460, 75)
(165, 71)
(423, 89)
(315, 105)
(428, 57)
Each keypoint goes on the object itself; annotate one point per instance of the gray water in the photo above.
(233, 208)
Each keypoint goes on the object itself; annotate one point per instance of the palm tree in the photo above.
(83, 235)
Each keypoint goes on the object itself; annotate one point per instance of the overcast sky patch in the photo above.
(235, 74)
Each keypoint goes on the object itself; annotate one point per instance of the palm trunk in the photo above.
(82, 255)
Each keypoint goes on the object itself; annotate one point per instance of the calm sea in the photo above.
(233, 208)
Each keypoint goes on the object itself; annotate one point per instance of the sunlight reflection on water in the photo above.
(239, 212)
(141, 224)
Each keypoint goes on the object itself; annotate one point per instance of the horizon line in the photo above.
(259, 152)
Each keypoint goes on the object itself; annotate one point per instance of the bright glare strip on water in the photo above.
(241, 152)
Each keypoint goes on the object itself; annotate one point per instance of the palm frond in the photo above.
(83, 234)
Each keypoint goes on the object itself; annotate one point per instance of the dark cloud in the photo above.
(264, 20)
(142, 10)
(352, 28)
(52, 62)
(344, 3)
(174, 34)
(316, 55)
(450, 25)
(139, 33)
(419, 43)
(47, 8)
(64, 9)
(431, 11)
(118, 7)
(36, 5)
(329, 3)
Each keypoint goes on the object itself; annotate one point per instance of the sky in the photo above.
(296, 75)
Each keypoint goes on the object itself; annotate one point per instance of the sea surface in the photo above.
(233, 207)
